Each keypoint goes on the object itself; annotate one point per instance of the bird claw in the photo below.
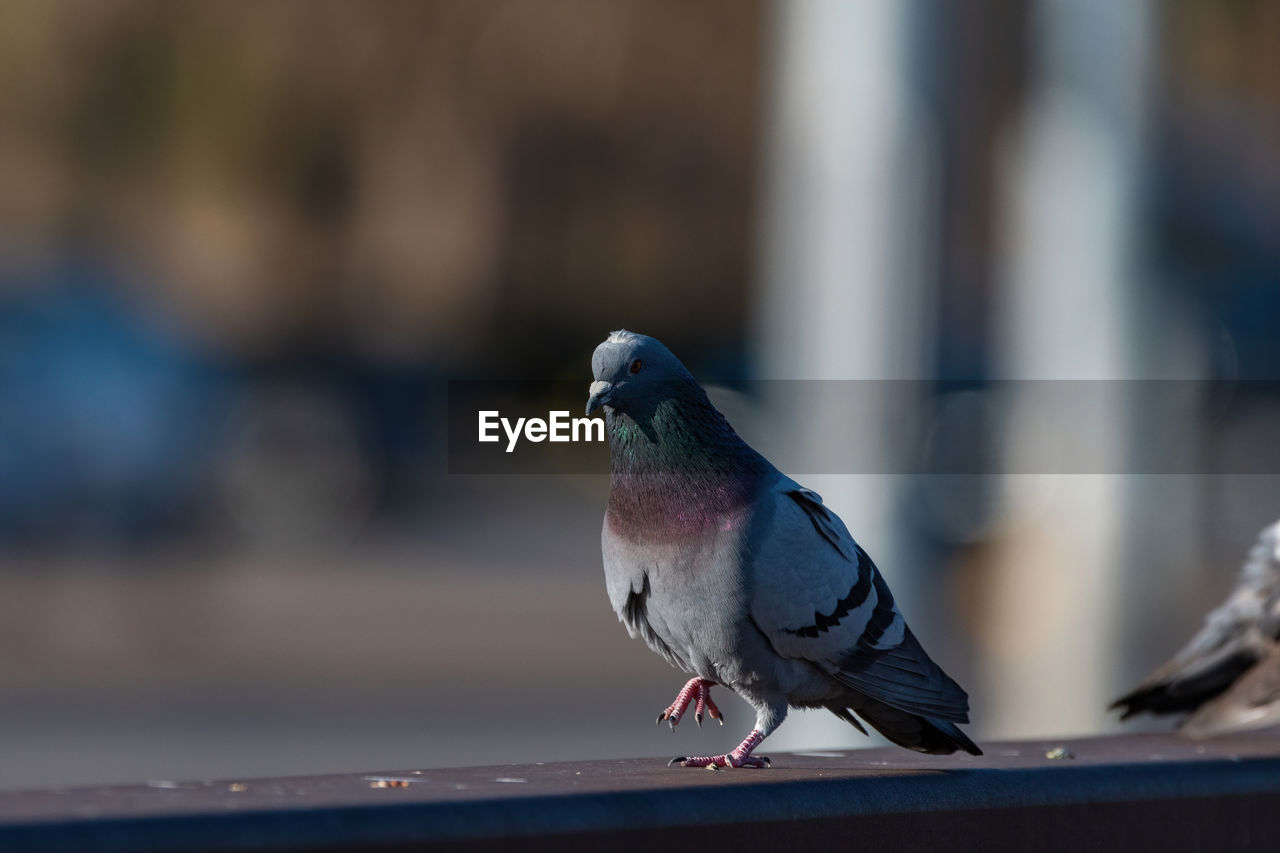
(696, 692)
(739, 757)
(729, 761)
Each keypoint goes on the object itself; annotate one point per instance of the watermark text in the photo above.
(557, 427)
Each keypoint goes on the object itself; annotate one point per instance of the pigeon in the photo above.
(743, 578)
(1227, 678)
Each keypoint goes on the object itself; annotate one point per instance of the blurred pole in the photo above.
(846, 179)
(1071, 309)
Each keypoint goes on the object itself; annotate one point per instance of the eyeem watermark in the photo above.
(995, 427)
(557, 427)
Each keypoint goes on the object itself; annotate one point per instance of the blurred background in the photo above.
(245, 247)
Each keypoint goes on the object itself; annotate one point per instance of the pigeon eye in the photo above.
(636, 365)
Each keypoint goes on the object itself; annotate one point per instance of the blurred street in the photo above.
(149, 666)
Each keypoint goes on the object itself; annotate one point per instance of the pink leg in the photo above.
(698, 692)
(740, 757)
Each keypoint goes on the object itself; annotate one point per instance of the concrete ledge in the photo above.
(1117, 793)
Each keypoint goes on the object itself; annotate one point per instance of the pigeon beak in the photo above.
(601, 393)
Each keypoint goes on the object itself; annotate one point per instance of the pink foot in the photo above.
(698, 692)
(740, 757)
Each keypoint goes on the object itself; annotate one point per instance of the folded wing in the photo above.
(824, 601)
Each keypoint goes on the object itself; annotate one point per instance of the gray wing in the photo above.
(1251, 702)
(1235, 636)
(819, 597)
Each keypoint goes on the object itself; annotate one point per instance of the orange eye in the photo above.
(636, 365)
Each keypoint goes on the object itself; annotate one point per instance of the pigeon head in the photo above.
(634, 372)
(665, 436)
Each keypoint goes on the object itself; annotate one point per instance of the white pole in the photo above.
(1070, 299)
(841, 235)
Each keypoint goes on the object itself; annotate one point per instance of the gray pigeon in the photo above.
(1228, 677)
(741, 577)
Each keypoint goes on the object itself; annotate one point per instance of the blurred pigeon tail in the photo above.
(1227, 678)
